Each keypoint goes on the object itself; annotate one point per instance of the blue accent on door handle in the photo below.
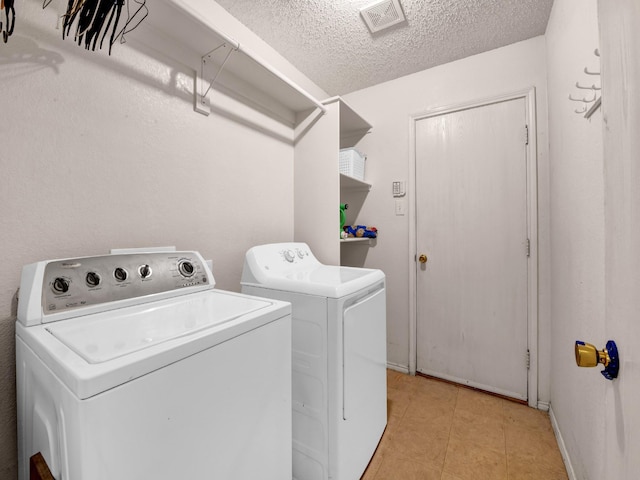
(611, 370)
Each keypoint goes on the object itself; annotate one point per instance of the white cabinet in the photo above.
(319, 188)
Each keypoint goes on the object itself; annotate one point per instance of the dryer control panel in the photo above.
(294, 253)
(281, 258)
(75, 283)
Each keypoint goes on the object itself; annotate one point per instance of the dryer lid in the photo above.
(323, 280)
(291, 267)
(330, 281)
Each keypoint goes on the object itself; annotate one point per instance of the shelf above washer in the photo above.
(353, 183)
(186, 33)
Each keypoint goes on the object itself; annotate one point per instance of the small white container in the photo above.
(352, 163)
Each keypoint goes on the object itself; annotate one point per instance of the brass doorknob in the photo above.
(422, 258)
(588, 355)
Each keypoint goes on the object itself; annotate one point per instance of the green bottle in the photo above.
(343, 215)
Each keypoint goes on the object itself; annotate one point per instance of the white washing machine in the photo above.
(339, 356)
(134, 367)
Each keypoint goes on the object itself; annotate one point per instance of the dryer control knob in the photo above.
(289, 255)
(300, 253)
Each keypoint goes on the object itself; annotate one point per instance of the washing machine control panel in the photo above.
(81, 282)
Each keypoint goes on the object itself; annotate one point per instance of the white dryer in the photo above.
(134, 367)
(339, 356)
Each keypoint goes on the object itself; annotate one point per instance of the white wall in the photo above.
(99, 152)
(577, 234)
(316, 185)
(388, 107)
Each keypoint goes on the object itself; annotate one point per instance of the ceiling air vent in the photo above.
(381, 15)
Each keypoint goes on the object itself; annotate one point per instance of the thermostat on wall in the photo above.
(399, 189)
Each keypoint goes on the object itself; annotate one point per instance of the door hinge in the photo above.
(526, 134)
(528, 359)
(528, 247)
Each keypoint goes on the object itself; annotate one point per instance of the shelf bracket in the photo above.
(202, 102)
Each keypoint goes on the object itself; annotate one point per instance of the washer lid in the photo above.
(97, 352)
(105, 336)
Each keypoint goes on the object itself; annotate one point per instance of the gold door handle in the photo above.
(422, 258)
(588, 355)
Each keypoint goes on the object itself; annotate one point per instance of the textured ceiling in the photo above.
(329, 42)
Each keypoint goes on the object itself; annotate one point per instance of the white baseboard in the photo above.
(561, 445)
(398, 368)
(544, 406)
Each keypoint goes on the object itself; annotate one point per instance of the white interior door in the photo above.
(471, 223)
(619, 46)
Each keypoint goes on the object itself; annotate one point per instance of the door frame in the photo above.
(529, 96)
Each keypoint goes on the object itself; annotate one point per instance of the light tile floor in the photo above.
(440, 431)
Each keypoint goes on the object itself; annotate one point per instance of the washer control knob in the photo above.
(92, 279)
(186, 268)
(120, 274)
(60, 285)
(289, 256)
(300, 253)
(144, 271)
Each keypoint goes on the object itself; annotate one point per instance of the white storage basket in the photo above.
(352, 163)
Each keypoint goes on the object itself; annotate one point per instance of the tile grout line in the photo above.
(375, 476)
(504, 432)
(446, 451)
